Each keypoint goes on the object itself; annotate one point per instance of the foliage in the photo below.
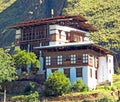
(118, 70)
(33, 97)
(57, 84)
(116, 80)
(103, 14)
(7, 68)
(23, 59)
(30, 88)
(80, 86)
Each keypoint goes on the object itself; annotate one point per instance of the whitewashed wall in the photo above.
(105, 69)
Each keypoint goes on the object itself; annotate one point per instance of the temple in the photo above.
(62, 43)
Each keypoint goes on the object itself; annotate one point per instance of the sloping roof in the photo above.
(76, 21)
(89, 45)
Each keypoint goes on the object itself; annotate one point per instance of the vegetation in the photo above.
(102, 14)
(32, 97)
(23, 59)
(5, 4)
(57, 84)
(79, 86)
(7, 69)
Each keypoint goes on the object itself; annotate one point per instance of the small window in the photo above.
(90, 73)
(96, 74)
(95, 62)
(109, 60)
(66, 58)
(85, 58)
(59, 60)
(73, 59)
(53, 70)
(48, 60)
(67, 72)
(78, 72)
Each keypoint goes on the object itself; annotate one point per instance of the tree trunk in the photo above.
(4, 93)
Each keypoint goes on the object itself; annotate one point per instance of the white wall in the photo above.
(92, 82)
(105, 69)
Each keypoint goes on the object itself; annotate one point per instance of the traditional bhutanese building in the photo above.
(62, 43)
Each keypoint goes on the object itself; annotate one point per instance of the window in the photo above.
(90, 73)
(53, 70)
(85, 58)
(53, 60)
(78, 72)
(59, 60)
(79, 57)
(95, 62)
(73, 59)
(48, 60)
(96, 74)
(66, 58)
(91, 60)
(67, 36)
(67, 72)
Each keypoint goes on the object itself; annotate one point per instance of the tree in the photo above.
(57, 84)
(23, 59)
(7, 69)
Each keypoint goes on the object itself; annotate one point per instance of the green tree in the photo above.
(7, 69)
(102, 14)
(57, 84)
(23, 59)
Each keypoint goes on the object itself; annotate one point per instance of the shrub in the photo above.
(118, 71)
(80, 86)
(57, 84)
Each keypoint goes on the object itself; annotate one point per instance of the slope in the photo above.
(21, 10)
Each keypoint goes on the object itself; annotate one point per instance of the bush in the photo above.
(80, 86)
(57, 84)
(118, 71)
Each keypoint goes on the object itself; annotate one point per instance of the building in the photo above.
(62, 43)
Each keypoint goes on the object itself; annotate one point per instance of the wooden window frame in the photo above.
(85, 58)
(96, 74)
(79, 72)
(67, 72)
(91, 73)
(59, 60)
(73, 59)
(48, 60)
(53, 70)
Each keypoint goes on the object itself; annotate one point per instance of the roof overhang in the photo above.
(76, 21)
(88, 45)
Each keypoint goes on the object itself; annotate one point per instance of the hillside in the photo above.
(13, 11)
